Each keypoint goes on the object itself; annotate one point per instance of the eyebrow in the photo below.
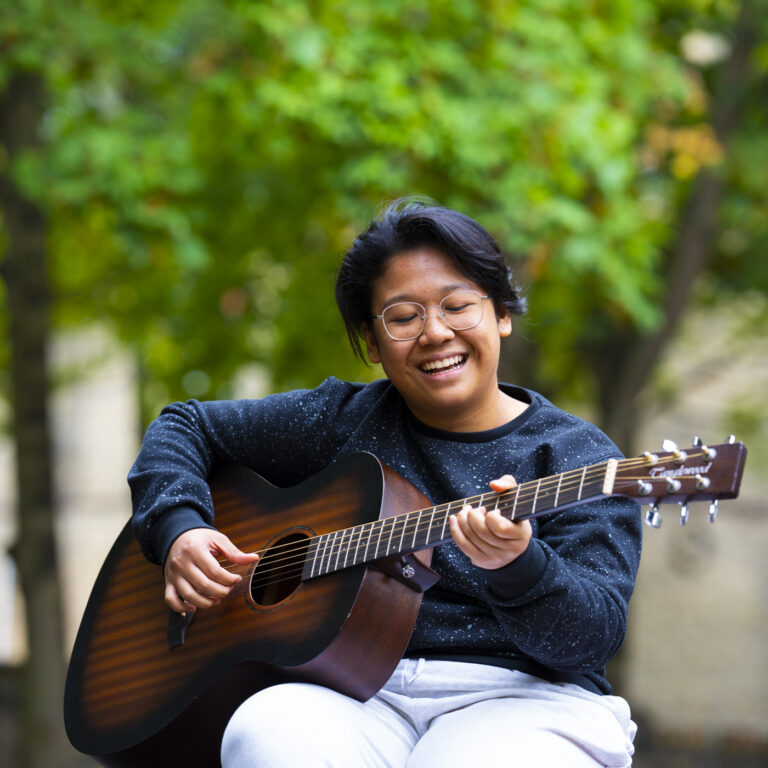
(447, 290)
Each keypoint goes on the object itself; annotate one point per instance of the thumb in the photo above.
(232, 553)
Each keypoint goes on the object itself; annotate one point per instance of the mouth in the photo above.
(452, 363)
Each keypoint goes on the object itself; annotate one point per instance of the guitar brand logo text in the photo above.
(663, 472)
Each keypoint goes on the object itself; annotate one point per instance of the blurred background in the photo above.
(178, 181)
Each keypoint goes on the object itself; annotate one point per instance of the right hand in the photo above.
(193, 576)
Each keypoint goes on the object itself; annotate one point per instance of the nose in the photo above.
(435, 330)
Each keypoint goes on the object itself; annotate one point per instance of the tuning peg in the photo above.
(707, 452)
(673, 485)
(713, 511)
(731, 439)
(653, 516)
(672, 447)
(683, 514)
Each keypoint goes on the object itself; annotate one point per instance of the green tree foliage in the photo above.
(206, 164)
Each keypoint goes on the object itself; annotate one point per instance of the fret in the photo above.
(445, 521)
(308, 572)
(406, 518)
(369, 526)
(321, 546)
(318, 556)
(378, 526)
(535, 497)
(416, 529)
(581, 483)
(325, 566)
(557, 492)
(348, 547)
(341, 545)
(514, 506)
(382, 537)
(328, 553)
(429, 527)
(357, 559)
(388, 548)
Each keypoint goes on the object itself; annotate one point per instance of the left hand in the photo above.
(488, 539)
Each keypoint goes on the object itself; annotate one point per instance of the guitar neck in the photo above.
(428, 527)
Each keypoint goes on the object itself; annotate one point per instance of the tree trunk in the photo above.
(42, 741)
(624, 363)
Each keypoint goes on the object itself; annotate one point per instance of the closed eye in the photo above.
(459, 308)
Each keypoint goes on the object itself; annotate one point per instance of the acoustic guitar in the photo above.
(332, 599)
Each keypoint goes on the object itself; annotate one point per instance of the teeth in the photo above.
(439, 365)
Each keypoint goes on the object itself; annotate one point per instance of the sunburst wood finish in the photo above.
(132, 701)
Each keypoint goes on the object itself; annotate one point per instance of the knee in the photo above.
(263, 729)
(259, 726)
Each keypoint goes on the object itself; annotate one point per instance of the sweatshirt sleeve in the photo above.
(285, 438)
(565, 600)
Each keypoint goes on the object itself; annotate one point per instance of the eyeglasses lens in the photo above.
(460, 311)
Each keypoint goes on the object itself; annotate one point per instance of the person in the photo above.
(506, 663)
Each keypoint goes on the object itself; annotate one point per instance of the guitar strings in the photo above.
(346, 535)
(294, 557)
(503, 501)
(295, 553)
(290, 567)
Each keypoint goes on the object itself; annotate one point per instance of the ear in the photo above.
(371, 345)
(504, 321)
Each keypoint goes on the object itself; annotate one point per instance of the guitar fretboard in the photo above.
(428, 527)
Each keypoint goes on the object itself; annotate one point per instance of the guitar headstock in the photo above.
(699, 473)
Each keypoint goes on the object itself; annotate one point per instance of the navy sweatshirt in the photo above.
(558, 611)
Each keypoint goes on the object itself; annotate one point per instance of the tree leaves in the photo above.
(202, 149)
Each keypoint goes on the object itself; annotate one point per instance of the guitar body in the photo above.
(147, 688)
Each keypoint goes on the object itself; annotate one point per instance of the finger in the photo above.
(477, 552)
(471, 527)
(501, 527)
(233, 553)
(173, 601)
(223, 546)
(478, 531)
(192, 596)
(210, 571)
(457, 532)
(211, 588)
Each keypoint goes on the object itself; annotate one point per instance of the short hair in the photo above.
(405, 225)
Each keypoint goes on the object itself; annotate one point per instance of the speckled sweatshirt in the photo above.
(558, 611)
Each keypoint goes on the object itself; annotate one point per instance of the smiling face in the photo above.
(448, 378)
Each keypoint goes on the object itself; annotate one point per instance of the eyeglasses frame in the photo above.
(440, 312)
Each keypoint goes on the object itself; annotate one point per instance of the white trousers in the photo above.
(432, 714)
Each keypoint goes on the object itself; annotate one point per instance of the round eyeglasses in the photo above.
(405, 320)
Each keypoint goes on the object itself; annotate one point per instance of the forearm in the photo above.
(566, 606)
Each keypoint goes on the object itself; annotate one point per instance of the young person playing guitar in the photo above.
(506, 664)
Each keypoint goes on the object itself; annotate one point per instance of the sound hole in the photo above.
(277, 574)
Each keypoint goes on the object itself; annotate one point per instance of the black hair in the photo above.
(408, 224)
